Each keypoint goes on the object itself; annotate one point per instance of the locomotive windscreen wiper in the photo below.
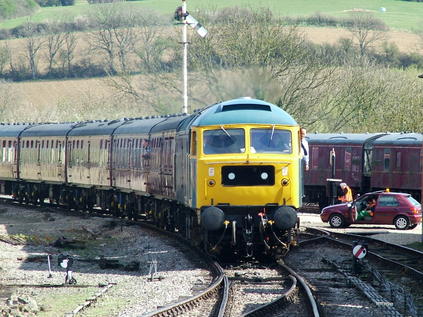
(226, 132)
(273, 130)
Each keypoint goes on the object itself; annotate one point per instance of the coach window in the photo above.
(398, 160)
(386, 159)
(347, 159)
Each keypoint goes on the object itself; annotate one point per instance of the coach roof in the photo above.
(48, 129)
(12, 130)
(137, 126)
(243, 111)
(342, 138)
(401, 139)
(96, 128)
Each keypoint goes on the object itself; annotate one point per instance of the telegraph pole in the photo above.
(183, 16)
(185, 56)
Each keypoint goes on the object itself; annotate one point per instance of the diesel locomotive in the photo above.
(366, 162)
(227, 177)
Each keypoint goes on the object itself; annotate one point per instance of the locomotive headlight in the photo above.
(264, 176)
(212, 182)
(231, 176)
(285, 181)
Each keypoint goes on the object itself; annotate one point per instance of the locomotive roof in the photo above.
(96, 128)
(48, 129)
(12, 130)
(401, 139)
(341, 138)
(243, 110)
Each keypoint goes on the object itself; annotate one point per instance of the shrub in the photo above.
(100, 1)
(55, 3)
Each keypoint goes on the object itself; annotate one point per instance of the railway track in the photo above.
(410, 260)
(220, 291)
(310, 290)
(392, 274)
(218, 288)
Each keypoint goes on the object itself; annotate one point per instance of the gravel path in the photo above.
(24, 269)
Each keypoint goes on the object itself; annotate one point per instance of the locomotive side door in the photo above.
(182, 173)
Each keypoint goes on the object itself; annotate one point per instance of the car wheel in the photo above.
(336, 221)
(401, 222)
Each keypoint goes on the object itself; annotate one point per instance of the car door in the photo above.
(357, 206)
(387, 208)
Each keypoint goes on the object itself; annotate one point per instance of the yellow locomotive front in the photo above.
(248, 178)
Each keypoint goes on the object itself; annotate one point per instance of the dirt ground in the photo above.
(112, 266)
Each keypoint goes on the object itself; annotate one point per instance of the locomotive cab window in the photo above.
(222, 141)
(271, 140)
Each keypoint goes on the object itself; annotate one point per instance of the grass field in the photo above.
(403, 15)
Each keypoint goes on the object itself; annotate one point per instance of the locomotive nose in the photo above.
(212, 218)
(285, 218)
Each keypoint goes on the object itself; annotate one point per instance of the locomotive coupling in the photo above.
(212, 218)
(285, 218)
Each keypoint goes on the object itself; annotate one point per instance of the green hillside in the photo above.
(397, 14)
(14, 8)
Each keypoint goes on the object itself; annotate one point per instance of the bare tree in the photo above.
(55, 40)
(5, 56)
(67, 53)
(115, 35)
(147, 48)
(33, 44)
(366, 30)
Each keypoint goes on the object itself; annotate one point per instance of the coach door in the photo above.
(367, 167)
(59, 154)
(38, 159)
(15, 165)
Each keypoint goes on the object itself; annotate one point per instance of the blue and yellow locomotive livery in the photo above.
(247, 164)
(227, 176)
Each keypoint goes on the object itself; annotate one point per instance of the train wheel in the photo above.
(337, 221)
(401, 223)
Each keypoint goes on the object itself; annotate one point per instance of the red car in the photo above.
(381, 207)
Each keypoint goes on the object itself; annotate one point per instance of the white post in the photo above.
(185, 57)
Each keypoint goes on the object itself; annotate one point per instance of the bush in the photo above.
(55, 3)
(100, 1)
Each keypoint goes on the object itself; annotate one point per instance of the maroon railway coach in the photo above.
(366, 162)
